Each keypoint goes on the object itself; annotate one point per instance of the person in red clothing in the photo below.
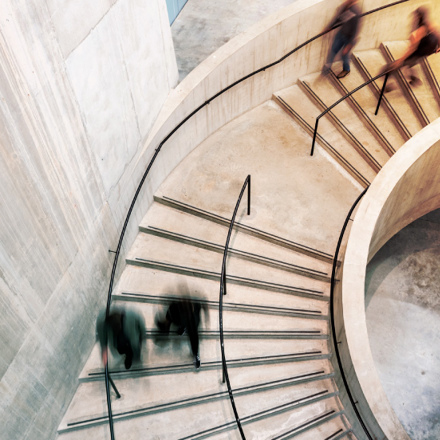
(423, 41)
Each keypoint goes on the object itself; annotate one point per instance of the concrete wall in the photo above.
(81, 84)
(406, 188)
(81, 87)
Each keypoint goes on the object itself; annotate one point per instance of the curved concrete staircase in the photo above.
(277, 304)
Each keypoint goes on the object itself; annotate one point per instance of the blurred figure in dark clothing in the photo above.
(184, 313)
(122, 330)
(349, 16)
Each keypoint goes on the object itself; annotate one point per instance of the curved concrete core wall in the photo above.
(83, 84)
(406, 188)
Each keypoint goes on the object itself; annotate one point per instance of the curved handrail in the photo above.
(247, 183)
(332, 313)
(386, 73)
(157, 150)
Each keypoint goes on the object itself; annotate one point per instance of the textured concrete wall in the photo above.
(406, 188)
(81, 84)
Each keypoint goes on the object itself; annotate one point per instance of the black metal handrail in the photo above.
(156, 152)
(344, 98)
(332, 315)
(247, 183)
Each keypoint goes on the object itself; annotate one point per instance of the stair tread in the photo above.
(309, 111)
(315, 211)
(220, 412)
(156, 282)
(152, 248)
(144, 394)
(169, 219)
(327, 93)
(374, 61)
(367, 99)
(423, 92)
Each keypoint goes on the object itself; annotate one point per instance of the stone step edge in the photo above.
(312, 423)
(325, 144)
(340, 434)
(76, 424)
(435, 86)
(377, 132)
(248, 256)
(246, 308)
(343, 130)
(273, 412)
(98, 374)
(206, 274)
(385, 102)
(407, 90)
(272, 238)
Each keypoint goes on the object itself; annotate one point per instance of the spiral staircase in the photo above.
(276, 311)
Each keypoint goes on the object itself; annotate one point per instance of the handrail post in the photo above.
(381, 93)
(314, 136)
(249, 195)
(114, 387)
(109, 403)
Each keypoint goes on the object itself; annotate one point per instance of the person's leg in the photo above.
(194, 339)
(345, 60)
(336, 46)
(124, 347)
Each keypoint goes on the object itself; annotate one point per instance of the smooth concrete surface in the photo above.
(403, 308)
(297, 196)
(54, 144)
(405, 189)
(80, 85)
(204, 26)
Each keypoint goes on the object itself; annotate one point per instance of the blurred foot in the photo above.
(342, 74)
(128, 362)
(414, 81)
(197, 362)
(390, 88)
(325, 70)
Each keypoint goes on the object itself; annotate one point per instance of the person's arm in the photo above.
(414, 41)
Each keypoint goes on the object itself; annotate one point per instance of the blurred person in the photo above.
(423, 41)
(349, 17)
(184, 313)
(122, 330)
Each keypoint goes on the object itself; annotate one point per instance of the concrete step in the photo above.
(322, 91)
(364, 102)
(328, 136)
(313, 418)
(226, 306)
(336, 428)
(174, 356)
(146, 396)
(141, 284)
(311, 291)
(174, 224)
(246, 229)
(271, 406)
(273, 148)
(370, 63)
(421, 95)
(432, 70)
